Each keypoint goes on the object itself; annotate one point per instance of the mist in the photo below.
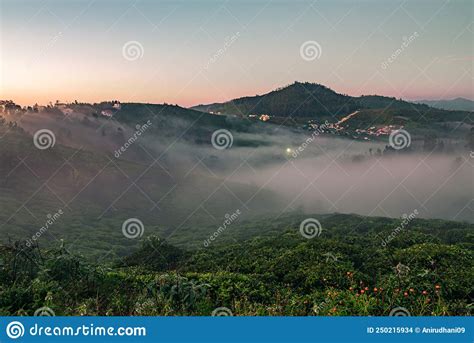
(327, 174)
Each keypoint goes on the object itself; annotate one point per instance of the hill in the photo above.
(343, 271)
(458, 104)
(304, 100)
(309, 101)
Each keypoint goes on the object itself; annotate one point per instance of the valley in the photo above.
(144, 198)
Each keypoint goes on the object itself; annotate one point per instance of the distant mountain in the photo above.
(458, 104)
(311, 101)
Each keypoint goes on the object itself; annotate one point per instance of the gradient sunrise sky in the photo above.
(193, 52)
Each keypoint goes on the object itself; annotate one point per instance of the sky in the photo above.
(194, 52)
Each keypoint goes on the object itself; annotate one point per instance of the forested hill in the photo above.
(315, 101)
(297, 100)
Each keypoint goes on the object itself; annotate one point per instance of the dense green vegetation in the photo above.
(427, 269)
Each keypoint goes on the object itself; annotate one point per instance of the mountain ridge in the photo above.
(456, 104)
(315, 101)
